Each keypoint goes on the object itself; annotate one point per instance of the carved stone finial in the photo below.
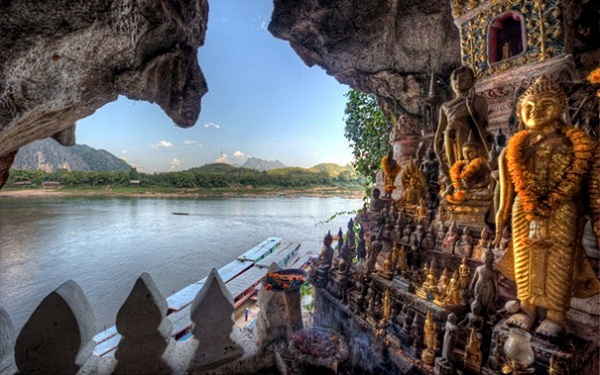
(145, 332)
(212, 314)
(58, 337)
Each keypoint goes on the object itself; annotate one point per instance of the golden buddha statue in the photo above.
(470, 175)
(391, 168)
(542, 172)
(414, 183)
(458, 117)
(429, 340)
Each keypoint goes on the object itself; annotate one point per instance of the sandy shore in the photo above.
(314, 192)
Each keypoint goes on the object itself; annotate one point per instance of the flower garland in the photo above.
(534, 205)
(463, 171)
(594, 77)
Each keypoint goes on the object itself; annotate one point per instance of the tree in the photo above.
(368, 133)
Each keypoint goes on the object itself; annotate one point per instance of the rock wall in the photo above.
(61, 60)
(385, 47)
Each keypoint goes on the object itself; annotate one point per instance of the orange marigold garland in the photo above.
(594, 77)
(461, 171)
(523, 180)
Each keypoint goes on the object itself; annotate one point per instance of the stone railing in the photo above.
(58, 337)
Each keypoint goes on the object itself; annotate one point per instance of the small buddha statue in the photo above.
(376, 203)
(429, 334)
(450, 338)
(374, 248)
(422, 210)
(450, 239)
(464, 276)
(484, 286)
(473, 355)
(361, 247)
(324, 262)
(387, 271)
(402, 262)
(326, 252)
(413, 183)
(430, 168)
(473, 319)
(443, 283)
(453, 295)
(441, 234)
(351, 236)
(428, 242)
(355, 296)
(406, 232)
(387, 307)
(391, 168)
(396, 233)
(485, 237)
(469, 176)
(506, 238)
(416, 237)
(464, 246)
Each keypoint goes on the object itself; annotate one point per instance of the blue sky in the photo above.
(263, 101)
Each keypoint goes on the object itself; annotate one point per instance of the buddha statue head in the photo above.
(462, 80)
(542, 104)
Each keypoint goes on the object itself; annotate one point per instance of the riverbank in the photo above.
(355, 192)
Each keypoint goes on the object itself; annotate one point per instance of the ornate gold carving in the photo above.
(544, 30)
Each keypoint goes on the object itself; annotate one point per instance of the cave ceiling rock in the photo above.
(381, 47)
(62, 60)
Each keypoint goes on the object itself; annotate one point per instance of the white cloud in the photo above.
(175, 164)
(138, 166)
(124, 151)
(212, 125)
(316, 153)
(264, 25)
(189, 143)
(162, 144)
(238, 154)
(223, 159)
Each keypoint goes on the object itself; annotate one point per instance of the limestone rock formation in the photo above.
(385, 47)
(64, 59)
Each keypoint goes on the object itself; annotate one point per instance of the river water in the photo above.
(105, 244)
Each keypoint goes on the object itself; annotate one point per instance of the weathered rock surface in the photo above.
(62, 60)
(383, 47)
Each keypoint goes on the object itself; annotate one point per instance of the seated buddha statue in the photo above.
(469, 176)
(543, 173)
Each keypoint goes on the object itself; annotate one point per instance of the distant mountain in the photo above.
(262, 164)
(49, 156)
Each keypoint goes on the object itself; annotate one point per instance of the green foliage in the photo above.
(368, 133)
(206, 177)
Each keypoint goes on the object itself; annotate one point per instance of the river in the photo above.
(106, 243)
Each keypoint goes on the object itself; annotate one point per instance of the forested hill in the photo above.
(49, 156)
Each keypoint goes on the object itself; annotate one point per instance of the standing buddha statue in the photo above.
(429, 332)
(542, 175)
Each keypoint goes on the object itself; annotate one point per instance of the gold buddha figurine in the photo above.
(542, 172)
(458, 117)
(414, 183)
(469, 176)
(391, 168)
(473, 355)
(429, 340)
(453, 295)
(402, 262)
